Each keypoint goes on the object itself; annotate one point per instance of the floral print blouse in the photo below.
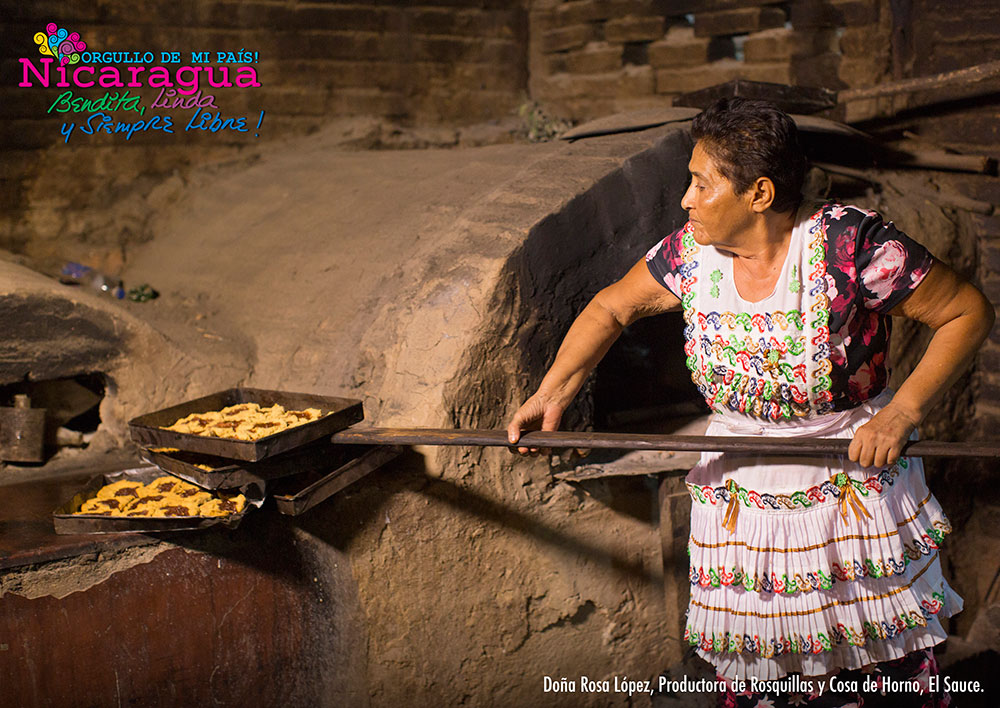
(870, 268)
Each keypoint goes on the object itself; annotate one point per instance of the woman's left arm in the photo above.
(961, 318)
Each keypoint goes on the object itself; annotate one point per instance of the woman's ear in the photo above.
(763, 194)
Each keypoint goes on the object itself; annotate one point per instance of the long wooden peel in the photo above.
(634, 441)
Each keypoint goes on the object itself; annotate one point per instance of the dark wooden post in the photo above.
(22, 432)
(675, 527)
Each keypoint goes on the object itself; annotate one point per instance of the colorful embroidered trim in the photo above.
(766, 321)
(823, 641)
(688, 280)
(812, 611)
(818, 580)
(765, 357)
(822, 395)
(692, 541)
(827, 492)
(763, 395)
(749, 351)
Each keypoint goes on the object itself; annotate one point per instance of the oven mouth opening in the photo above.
(643, 384)
(72, 407)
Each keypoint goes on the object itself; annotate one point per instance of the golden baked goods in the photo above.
(162, 485)
(193, 496)
(179, 507)
(105, 507)
(125, 488)
(173, 486)
(164, 497)
(244, 421)
(145, 506)
(223, 506)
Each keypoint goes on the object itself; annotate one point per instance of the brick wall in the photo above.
(592, 57)
(933, 36)
(455, 61)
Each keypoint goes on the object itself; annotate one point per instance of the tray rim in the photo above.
(252, 470)
(65, 522)
(375, 456)
(346, 410)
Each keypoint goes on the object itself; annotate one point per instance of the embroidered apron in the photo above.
(803, 565)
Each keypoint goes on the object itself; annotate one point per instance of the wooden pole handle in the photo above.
(634, 441)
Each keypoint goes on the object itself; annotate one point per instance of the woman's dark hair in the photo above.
(750, 139)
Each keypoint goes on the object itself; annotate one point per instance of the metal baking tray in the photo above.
(295, 495)
(340, 413)
(66, 522)
(318, 456)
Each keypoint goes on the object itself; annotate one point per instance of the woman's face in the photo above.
(719, 216)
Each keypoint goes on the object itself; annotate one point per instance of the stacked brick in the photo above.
(936, 37)
(591, 57)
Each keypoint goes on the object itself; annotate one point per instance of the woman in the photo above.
(809, 566)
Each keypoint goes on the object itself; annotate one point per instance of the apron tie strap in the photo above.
(848, 497)
(733, 510)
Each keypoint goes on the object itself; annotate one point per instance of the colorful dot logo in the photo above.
(60, 44)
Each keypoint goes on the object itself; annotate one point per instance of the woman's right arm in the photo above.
(593, 332)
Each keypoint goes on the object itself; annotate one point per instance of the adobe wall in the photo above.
(590, 58)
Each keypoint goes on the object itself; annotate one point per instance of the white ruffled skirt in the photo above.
(808, 582)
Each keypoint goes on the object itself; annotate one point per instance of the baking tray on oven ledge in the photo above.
(66, 522)
(339, 413)
(294, 495)
(319, 456)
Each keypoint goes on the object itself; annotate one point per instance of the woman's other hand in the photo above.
(880, 441)
(961, 317)
(539, 412)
